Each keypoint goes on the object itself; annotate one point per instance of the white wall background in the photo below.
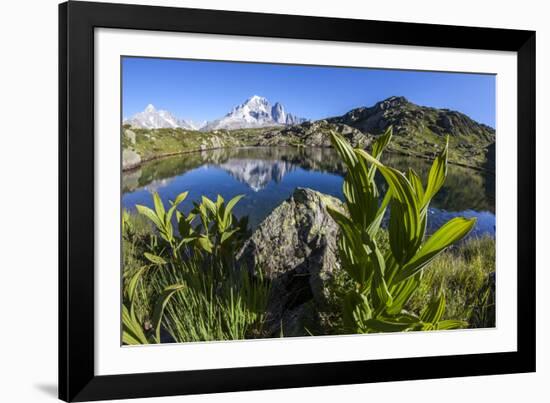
(28, 200)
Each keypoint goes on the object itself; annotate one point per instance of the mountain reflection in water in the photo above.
(268, 176)
(257, 173)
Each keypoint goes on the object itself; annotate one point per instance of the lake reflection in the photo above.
(268, 176)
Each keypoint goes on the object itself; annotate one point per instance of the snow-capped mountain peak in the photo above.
(255, 102)
(256, 111)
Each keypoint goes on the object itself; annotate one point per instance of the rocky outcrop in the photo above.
(313, 134)
(130, 159)
(130, 135)
(295, 247)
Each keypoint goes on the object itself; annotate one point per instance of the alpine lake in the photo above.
(267, 176)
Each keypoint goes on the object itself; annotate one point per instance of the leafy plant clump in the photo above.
(386, 280)
(189, 287)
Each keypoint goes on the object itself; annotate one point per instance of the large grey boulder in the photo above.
(130, 159)
(295, 247)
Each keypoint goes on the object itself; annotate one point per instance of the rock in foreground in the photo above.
(295, 246)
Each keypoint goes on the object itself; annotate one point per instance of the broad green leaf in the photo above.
(229, 207)
(162, 300)
(368, 194)
(401, 187)
(132, 332)
(378, 147)
(356, 310)
(437, 175)
(348, 231)
(391, 267)
(205, 243)
(397, 234)
(409, 227)
(451, 324)
(380, 287)
(374, 226)
(359, 271)
(125, 220)
(151, 215)
(405, 235)
(451, 232)
(179, 199)
(394, 324)
(344, 150)
(154, 258)
(132, 284)
(209, 204)
(434, 311)
(382, 142)
(401, 294)
(159, 207)
(359, 190)
(129, 339)
(416, 183)
(228, 234)
(185, 227)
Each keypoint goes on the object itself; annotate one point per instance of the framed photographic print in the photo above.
(258, 201)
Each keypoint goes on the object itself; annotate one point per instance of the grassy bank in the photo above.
(463, 274)
(151, 144)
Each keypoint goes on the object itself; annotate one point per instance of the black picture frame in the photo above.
(77, 379)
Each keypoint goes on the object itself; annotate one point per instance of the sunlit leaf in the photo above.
(451, 232)
(434, 310)
(161, 304)
(451, 324)
(151, 215)
(154, 258)
(437, 175)
(159, 206)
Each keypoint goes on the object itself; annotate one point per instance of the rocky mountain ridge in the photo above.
(408, 119)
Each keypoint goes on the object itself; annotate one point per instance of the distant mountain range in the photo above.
(152, 118)
(419, 131)
(255, 112)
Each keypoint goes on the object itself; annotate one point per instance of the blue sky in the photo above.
(206, 90)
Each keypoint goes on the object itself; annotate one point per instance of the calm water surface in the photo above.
(268, 176)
